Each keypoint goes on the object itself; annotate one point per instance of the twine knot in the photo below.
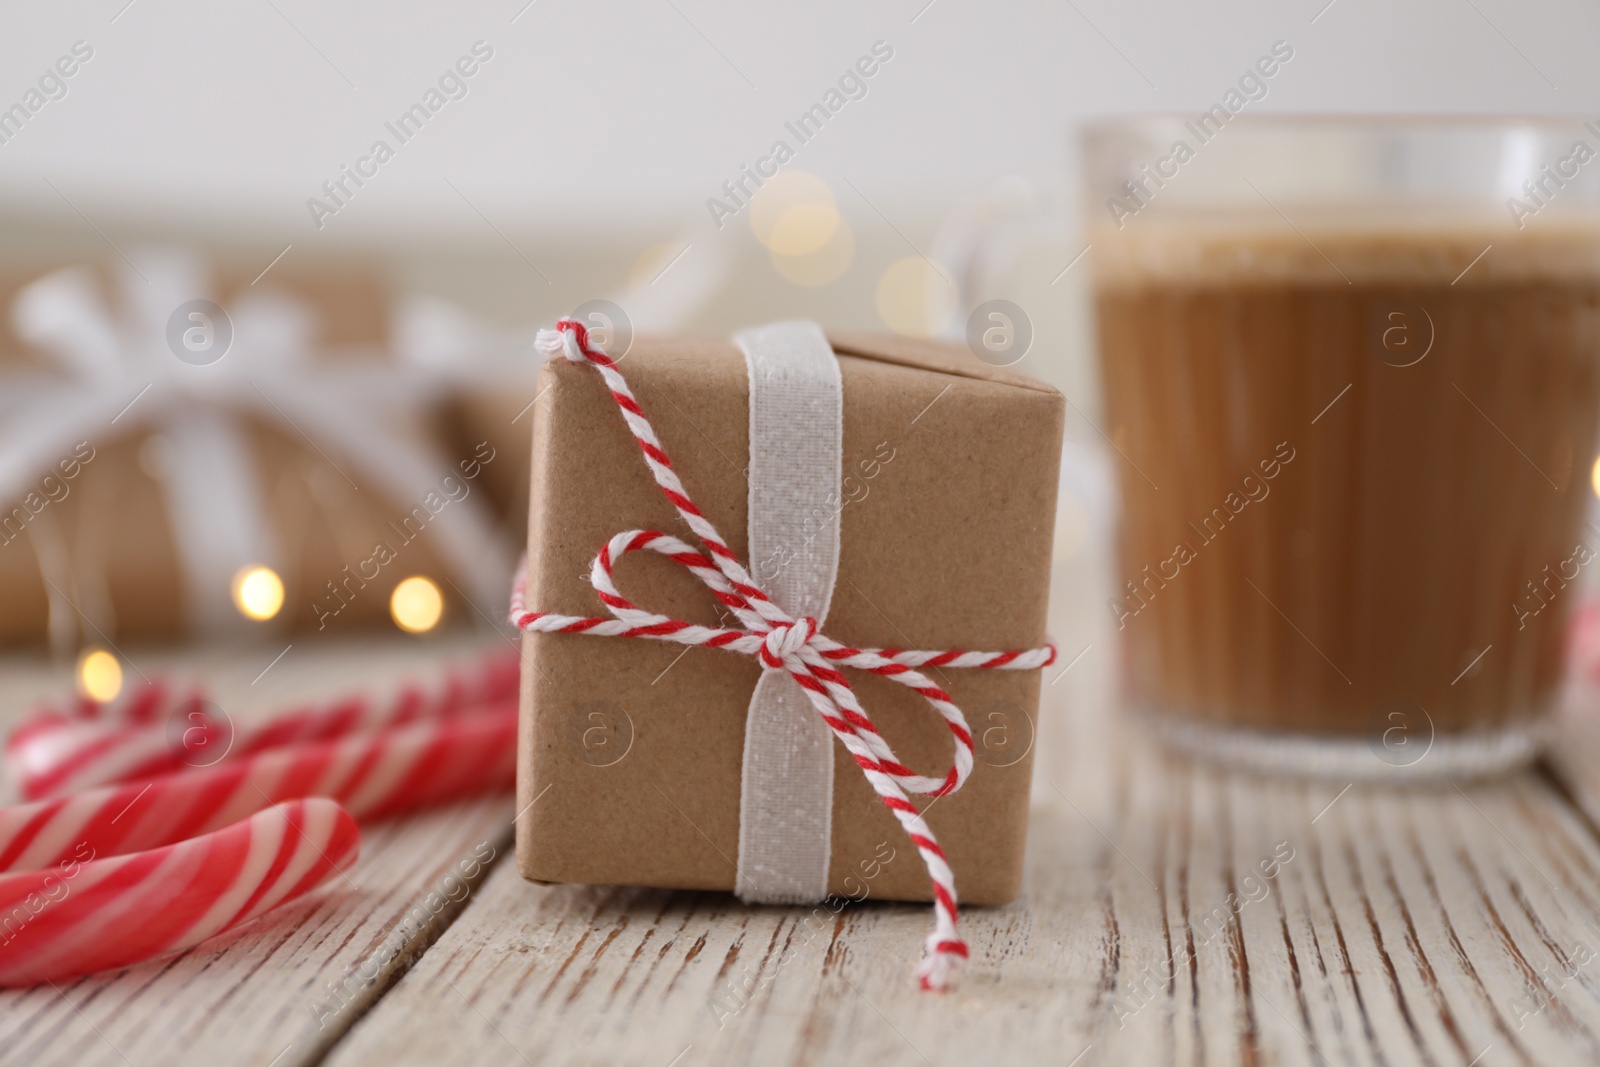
(784, 640)
(566, 342)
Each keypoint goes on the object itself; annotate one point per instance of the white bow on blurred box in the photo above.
(165, 360)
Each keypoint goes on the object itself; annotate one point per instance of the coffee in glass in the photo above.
(1354, 388)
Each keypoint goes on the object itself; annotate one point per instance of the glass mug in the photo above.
(1351, 370)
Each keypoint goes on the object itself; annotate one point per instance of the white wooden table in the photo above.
(1445, 926)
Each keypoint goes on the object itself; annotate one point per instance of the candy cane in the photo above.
(89, 914)
(202, 851)
(372, 776)
(152, 731)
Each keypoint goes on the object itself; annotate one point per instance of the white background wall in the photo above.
(605, 113)
(599, 129)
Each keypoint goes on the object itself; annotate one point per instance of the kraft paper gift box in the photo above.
(631, 750)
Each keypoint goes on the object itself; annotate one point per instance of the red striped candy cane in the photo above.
(110, 877)
(370, 775)
(781, 642)
(84, 743)
(159, 729)
(88, 913)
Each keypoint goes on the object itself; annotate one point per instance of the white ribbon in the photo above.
(120, 369)
(796, 450)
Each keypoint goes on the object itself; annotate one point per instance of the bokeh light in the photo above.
(822, 264)
(1594, 476)
(416, 605)
(99, 675)
(257, 592)
(793, 212)
(803, 228)
(915, 298)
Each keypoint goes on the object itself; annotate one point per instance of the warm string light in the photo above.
(416, 605)
(99, 675)
(795, 216)
(257, 592)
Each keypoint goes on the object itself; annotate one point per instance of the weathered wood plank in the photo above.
(1445, 926)
(1399, 927)
(282, 989)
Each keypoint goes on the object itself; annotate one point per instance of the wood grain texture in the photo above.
(283, 988)
(1399, 927)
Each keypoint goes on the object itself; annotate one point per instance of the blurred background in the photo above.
(269, 270)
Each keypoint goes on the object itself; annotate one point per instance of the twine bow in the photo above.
(780, 642)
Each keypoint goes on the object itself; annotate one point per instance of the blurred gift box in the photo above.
(189, 451)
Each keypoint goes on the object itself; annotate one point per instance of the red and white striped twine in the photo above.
(782, 642)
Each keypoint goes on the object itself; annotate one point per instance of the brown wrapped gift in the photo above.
(631, 750)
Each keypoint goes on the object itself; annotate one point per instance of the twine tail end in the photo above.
(940, 970)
